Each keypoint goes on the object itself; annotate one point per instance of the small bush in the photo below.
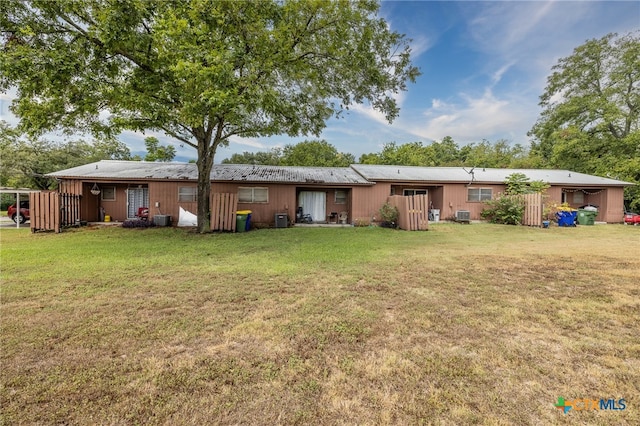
(506, 210)
(389, 215)
(136, 223)
(362, 222)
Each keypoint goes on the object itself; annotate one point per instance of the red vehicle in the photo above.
(24, 212)
(631, 219)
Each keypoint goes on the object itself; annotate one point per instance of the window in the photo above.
(408, 192)
(578, 197)
(341, 196)
(479, 194)
(108, 193)
(187, 194)
(253, 195)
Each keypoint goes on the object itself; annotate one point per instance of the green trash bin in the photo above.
(587, 217)
(241, 221)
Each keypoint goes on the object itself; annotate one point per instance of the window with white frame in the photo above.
(253, 195)
(341, 196)
(187, 194)
(479, 194)
(108, 193)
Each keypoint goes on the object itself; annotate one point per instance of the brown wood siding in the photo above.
(166, 195)
(282, 199)
(116, 209)
(610, 201)
(333, 207)
(367, 200)
(67, 186)
(363, 202)
(435, 198)
(612, 206)
(90, 204)
(553, 195)
(455, 198)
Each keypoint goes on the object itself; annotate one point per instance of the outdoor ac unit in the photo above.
(282, 220)
(162, 220)
(463, 216)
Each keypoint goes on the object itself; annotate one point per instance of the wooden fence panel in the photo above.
(223, 212)
(44, 211)
(413, 211)
(51, 211)
(532, 210)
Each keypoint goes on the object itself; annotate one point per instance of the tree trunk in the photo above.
(206, 154)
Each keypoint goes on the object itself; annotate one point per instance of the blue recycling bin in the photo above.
(567, 218)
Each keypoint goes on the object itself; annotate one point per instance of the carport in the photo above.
(18, 192)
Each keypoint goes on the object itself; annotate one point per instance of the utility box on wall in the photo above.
(282, 220)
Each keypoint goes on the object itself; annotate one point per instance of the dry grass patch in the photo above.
(462, 324)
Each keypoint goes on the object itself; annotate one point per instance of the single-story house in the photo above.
(120, 188)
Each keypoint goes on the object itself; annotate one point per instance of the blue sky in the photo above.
(484, 66)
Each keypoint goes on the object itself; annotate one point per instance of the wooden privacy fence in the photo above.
(51, 211)
(413, 211)
(223, 211)
(532, 209)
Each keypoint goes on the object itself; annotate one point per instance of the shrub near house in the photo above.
(508, 208)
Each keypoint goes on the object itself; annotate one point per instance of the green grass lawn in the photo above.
(461, 324)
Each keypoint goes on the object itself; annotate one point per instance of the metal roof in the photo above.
(479, 175)
(287, 174)
(112, 169)
(357, 174)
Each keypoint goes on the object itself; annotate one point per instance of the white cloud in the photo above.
(474, 119)
(532, 36)
(497, 75)
(420, 44)
(253, 143)
(370, 113)
(5, 103)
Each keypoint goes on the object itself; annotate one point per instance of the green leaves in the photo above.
(201, 71)
(314, 153)
(157, 152)
(591, 111)
(318, 153)
(519, 183)
(447, 153)
(25, 161)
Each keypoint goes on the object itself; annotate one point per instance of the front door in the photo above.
(314, 203)
(136, 198)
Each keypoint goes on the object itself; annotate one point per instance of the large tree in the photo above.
(157, 152)
(268, 158)
(590, 120)
(317, 153)
(25, 161)
(200, 71)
